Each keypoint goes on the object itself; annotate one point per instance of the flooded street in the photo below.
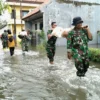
(30, 77)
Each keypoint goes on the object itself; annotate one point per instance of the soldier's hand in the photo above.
(49, 36)
(69, 55)
(86, 28)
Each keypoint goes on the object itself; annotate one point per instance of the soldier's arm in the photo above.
(66, 31)
(89, 33)
(49, 34)
(69, 46)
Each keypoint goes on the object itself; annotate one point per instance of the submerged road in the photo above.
(30, 77)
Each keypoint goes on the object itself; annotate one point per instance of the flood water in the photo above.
(30, 77)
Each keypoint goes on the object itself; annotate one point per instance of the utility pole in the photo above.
(14, 19)
(21, 13)
(14, 31)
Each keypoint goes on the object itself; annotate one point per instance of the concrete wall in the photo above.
(63, 14)
(28, 25)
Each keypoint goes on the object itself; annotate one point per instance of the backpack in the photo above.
(10, 38)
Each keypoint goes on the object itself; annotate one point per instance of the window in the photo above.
(41, 25)
(35, 26)
(24, 12)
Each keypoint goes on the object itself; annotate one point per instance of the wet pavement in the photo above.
(30, 77)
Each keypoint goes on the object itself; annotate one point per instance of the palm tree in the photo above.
(4, 6)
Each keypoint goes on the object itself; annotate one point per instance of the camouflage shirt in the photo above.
(52, 40)
(77, 43)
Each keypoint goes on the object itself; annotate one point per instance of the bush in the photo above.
(42, 45)
(95, 54)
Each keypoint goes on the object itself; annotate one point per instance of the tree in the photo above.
(4, 6)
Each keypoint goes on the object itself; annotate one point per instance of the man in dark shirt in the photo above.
(50, 48)
(4, 38)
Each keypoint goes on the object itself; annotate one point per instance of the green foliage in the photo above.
(41, 46)
(42, 36)
(4, 6)
(95, 54)
(98, 32)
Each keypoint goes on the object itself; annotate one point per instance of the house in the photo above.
(20, 8)
(63, 12)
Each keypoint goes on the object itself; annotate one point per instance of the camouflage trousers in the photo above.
(81, 63)
(5, 44)
(50, 52)
(25, 46)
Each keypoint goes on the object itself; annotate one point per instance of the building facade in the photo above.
(63, 12)
(20, 8)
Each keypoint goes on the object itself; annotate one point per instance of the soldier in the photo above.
(77, 46)
(24, 36)
(4, 38)
(50, 47)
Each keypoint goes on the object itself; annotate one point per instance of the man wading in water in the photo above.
(50, 47)
(77, 46)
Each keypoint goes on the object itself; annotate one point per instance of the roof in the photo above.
(36, 10)
(27, 1)
(35, 0)
(92, 2)
(89, 1)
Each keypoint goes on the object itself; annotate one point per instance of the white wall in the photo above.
(63, 14)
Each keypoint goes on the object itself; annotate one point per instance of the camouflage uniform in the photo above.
(77, 44)
(25, 43)
(50, 47)
(4, 39)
